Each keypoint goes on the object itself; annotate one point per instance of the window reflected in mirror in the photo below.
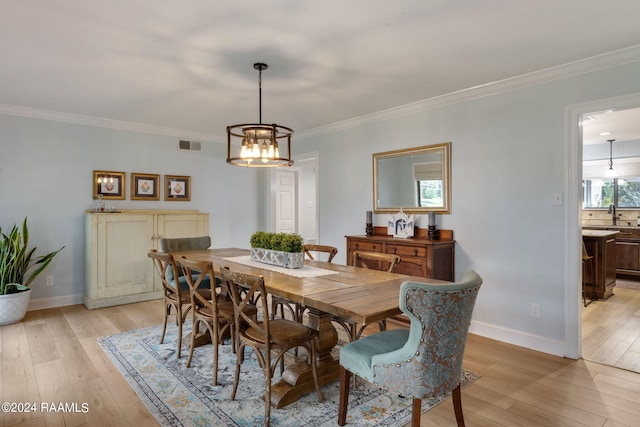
(415, 179)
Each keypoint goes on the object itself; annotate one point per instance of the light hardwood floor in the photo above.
(52, 356)
(611, 328)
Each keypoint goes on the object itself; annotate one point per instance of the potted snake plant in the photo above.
(19, 266)
(281, 249)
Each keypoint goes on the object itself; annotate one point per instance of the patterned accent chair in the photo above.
(180, 244)
(424, 361)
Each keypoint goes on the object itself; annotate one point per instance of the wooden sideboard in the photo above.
(419, 255)
(117, 268)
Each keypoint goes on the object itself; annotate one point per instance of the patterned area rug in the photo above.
(180, 396)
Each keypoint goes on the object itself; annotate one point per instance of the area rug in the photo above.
(180, 396)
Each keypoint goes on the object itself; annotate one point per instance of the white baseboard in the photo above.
(519, 338)
(41, 303)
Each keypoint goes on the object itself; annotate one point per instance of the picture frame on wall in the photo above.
(145, 186)
(177, 188)
(109, 184)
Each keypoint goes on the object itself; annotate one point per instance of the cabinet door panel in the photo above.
(123, 264)
(628, 255)
(171, 226)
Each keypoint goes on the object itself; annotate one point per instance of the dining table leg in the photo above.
(297, 378)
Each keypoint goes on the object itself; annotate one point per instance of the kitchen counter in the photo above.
(599, 233)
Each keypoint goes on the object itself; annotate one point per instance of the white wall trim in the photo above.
(582, 66)
(42, 303)
(519, 338)
(573, 230)
(79, 119)
(610, 59)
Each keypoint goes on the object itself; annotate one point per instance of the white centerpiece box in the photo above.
(281, 249)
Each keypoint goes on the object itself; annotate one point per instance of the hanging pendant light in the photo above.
(610, 173)
(257, 144)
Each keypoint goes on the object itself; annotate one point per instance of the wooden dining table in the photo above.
(359, 294)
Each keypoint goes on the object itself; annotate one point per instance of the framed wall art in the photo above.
(177, 188)
(110, 185)
(145, 186)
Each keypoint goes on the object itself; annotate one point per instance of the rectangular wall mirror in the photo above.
(414, 179)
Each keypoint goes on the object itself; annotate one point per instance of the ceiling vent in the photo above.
(190, 145)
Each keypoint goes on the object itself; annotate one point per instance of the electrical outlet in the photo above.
(49, 281)
(535, 310)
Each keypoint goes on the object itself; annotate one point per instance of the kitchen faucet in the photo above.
(612, 211)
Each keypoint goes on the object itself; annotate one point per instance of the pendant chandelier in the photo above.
(610, 173)
(257, 144)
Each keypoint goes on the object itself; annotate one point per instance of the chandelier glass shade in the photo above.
(258, 144)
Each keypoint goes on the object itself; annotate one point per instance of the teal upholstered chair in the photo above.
(180, 244)
(424, 361)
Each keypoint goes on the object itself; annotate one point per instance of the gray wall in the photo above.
(46, 173)
(509, 157)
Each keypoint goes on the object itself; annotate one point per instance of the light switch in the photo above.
(557, 199)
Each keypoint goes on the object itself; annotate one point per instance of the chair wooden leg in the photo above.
(345, 380)
(167, 310)
(416, 411)
(456, 396)
(180, 322)
(194, 331)
(236, 378)
(215, 341)
(314, 370)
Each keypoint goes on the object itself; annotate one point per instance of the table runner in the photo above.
(305, 271)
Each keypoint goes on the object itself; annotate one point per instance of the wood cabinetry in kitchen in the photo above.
(628, 251)
(601, 245)
(419, 256)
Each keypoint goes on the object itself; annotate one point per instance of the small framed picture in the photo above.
(177, 188)
(145, 186)
(110, 185)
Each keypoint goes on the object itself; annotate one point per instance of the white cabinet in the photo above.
(117, 269)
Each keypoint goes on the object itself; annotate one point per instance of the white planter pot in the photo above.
(13, 307)
(281, 259)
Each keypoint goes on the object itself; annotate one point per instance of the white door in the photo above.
(286, 201)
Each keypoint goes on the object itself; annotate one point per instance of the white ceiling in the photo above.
(622, 125)
(188, 65)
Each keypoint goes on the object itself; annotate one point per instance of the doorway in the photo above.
(601, 335)
(293, 198)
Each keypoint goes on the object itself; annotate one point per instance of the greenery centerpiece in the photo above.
(18, 268)
(281, 249)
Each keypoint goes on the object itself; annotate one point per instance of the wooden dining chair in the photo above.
(214, 313)
(331, 251)
(270, 339)
(180, 300)
(181, 244)
(371, 260)
(297, 310)
(424, 361)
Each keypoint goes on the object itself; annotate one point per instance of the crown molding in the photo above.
(594, 63)
(79, 119)
(587, 65)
